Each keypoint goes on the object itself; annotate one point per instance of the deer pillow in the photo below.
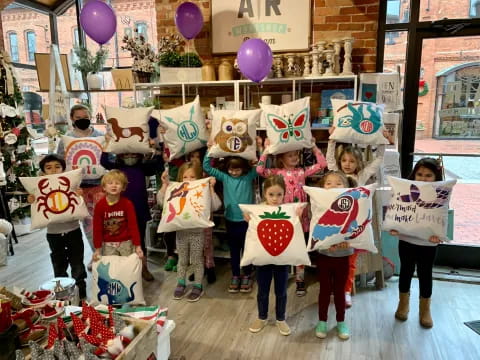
(274, 236)
(186, 206)
(341, 215)
(84, 153)
(288, 126)
(128, 129)
(185, 127)
(234, 133)
(419, 208)
(358, 122)
(55, 198)
(117, 280)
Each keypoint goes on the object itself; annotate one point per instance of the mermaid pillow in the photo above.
(84, 153)
(419, 208)
(358, 122)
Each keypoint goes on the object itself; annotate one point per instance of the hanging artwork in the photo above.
(274, 236)
(85, 154)
(340, 215)
(382, 88)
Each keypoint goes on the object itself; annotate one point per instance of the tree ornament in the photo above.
(10, 139)
(423, 88)
(13, 204)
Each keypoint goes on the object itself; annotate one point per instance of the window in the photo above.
(142, 29)
(31, 45)
(76, 40)
(127, 32)
(12, 37)
(474, 8)
(393, 11)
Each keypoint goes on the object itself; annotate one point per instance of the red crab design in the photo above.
(56, 201)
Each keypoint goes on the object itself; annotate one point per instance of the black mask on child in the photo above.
(82, 124)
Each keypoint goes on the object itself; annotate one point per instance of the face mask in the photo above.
(82, 124)
(130, 161)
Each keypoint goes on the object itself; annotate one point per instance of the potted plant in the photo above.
(144, 58)
(91, 65)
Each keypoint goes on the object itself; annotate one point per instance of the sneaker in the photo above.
(348, 300)
(211, 277)
(179, 292)
(171, 262)
(321, 330)
(234, 285)
(343, 331)
(146, 275)
(246, 285)
(195, 294)
(283, 328)
(257, 325)
(174, 268)
(301, 288)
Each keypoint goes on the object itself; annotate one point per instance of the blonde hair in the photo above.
(115, 175)
(197, 169)
(78, 107)
(348, 182)
(357, 155)
(278, 159)
(273, 181)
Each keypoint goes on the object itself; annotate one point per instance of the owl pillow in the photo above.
(234, 133)
(341, 215)
(186, 206)
(128, 129)
(358, 122)
(55, 198)
(84, 153)
(185, 127)
(117, 280)
(274, 236)
(288, 126)
(419, 208)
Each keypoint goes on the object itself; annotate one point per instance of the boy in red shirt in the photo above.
(115, 230)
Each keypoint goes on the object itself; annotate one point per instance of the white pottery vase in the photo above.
(94, 81)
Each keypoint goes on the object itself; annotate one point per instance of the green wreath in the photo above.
(423, 89)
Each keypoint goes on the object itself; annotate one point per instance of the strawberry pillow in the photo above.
(341, 215)
(84, 153)
(274, 236)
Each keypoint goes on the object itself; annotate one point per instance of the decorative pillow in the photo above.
(186, 206)
(274, 236)
(288, 126)
(117, 280)
(84, 153)
(419, 208)
(358, 122)
(128, 129)
(55, 198)
(341, 215)
(234, 133)
(185, 127)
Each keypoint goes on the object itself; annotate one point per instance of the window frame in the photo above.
(17, 53)
(30, 55)
(145, 34)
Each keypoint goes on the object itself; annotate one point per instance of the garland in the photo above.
(423, 88)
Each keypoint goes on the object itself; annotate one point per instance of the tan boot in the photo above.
(403, 306)
(425, 316)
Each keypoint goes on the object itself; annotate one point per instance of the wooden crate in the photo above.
(144, 343)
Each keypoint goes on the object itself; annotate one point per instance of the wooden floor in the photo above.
(216, 327)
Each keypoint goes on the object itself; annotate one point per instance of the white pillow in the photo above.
(234, 133)
(117, 280)
(84, 153)
(128, 129)
(358, 122)
(185, 125)
(419, 208)
(186, 206)
(274, 236)
(288, 126)
(55, 198)
(341, 215)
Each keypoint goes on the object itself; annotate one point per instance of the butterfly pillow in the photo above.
(274, 236)
(55, 198)
(288, 126)
(340, 215)
(358, 122)
(186, 206)
(419, 208)
(84, 153)
(234, 133)
(128, 129)
(185, 127)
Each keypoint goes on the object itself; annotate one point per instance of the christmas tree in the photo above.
(16, 151)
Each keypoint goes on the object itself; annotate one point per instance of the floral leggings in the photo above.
(190, 251)
(91, 195)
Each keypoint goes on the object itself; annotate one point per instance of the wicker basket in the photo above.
(142, 77)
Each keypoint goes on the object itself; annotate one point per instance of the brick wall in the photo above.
(3, 4)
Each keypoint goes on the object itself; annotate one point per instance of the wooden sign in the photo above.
(42, 63)
(123, 79)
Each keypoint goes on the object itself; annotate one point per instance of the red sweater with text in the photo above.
(115, 223)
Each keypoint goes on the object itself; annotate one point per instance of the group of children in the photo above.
(119, 221)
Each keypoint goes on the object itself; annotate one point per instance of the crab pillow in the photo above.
(186, 206)
(340, 215)
(234, 133)
(128, 130)
(274, 235)
(358, 122)
(288, 126)
(419, 208)
(117, 280)
(55, 198)
(84, 153)
(185, 128)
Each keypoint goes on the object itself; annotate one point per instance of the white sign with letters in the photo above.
(283, 24)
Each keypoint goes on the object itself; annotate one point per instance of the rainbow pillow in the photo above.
(84, 153)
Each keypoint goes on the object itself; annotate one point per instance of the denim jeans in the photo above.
(264, 275)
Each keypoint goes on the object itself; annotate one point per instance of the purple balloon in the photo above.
(188, 19)
(255, 59)
(98, 20)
